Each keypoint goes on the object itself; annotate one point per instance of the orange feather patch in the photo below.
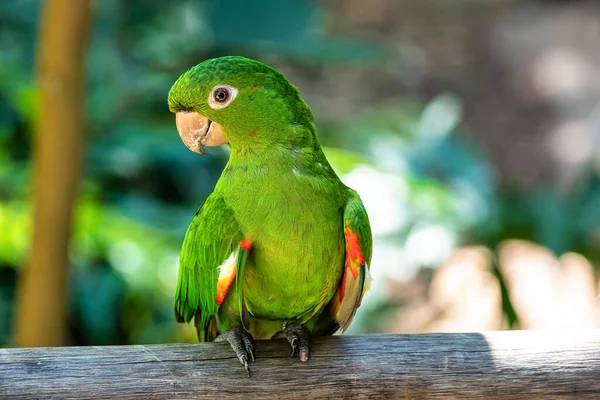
(226, 277)
(354, 254)
(227, 272)
(246, 244)
(223, 287)
(354, 258)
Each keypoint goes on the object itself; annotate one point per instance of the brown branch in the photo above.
(491, 366)
(58, 150)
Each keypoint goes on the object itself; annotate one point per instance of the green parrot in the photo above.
(281, 247)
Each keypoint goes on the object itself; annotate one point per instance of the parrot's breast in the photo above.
(296, 227)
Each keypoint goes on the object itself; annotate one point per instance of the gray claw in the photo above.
(303, 354)
(244, 362)
(294, 344)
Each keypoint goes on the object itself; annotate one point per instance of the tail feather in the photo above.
(207, 330)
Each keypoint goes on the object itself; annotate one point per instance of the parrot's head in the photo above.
(238, 101)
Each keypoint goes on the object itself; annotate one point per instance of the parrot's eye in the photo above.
(221, 96)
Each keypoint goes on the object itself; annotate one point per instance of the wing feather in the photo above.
(356, 279)
(212, 237)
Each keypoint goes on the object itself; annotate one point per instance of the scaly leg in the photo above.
(298, 337)
(241, 343)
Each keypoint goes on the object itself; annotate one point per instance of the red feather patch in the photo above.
(223, 285)
(354, 254)
(354, 258)
(246, 244)
(227, 273)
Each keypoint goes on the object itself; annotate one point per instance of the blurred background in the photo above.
(471, 129)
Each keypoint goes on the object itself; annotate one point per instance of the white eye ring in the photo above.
(221, 96)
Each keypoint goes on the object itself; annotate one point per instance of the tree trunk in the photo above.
(58, 150)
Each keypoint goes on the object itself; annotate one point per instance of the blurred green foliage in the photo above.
(141, 186)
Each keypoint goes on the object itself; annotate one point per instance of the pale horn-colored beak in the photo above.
(196, 131)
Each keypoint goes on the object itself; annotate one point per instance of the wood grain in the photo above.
(495, 365)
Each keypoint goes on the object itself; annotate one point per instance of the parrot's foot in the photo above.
(298, 337)
(241, 343)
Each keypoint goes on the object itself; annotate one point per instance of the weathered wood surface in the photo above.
(496, 365)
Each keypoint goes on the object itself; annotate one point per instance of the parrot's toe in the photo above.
(298, 337)
(241, 343)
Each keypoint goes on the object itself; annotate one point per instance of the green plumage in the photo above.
(279, 192)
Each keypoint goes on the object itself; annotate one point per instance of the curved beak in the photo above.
(196, 131)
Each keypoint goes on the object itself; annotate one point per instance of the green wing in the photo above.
(356, 279)
(207, 265)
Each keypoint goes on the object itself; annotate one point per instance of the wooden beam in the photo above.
(495, 365)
